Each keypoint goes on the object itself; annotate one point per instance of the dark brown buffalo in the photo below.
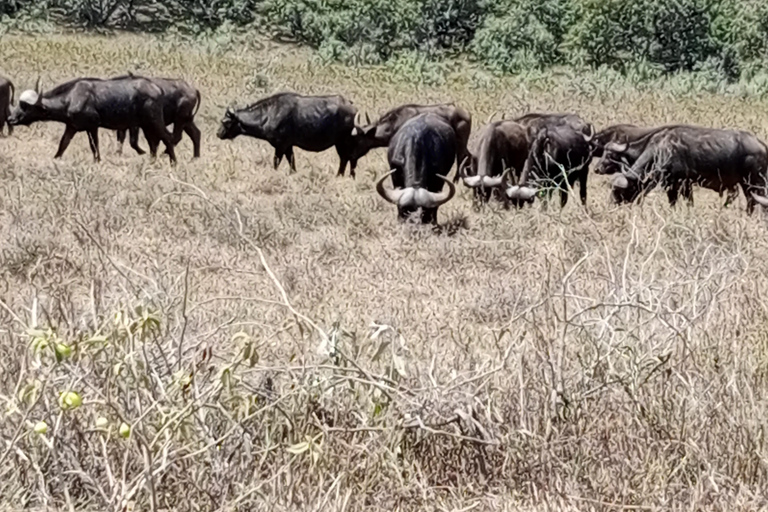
(181, 102)
(502, 147)
(379, 134)
(420, 157)
(285, 120)
(559, 156)
(716, 159)
(7, 93)
(87, 104)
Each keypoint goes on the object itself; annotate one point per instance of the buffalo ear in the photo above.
(356, 131)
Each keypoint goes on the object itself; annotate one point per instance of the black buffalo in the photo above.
(87, 104)
(502, 147)
(285, 120)
(181, 102)
(379, 134)
(559, 156)
(420, 156)
(716, 159)
(7, 93)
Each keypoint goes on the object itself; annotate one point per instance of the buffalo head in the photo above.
(30, 108)
(409, 199)
(625, 189)
(230, 125)
(613, 159)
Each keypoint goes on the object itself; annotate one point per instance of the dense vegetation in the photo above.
(725, 38)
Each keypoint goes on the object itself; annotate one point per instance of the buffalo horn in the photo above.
(427, 199)
(367, 119)
(762, 201)
(490, 118)
(392, 196)
(517, 192)
(620, 181)
(615, 147)
(588, 138)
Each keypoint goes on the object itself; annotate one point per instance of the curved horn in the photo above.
(392, 196)
(616, 147)
(762, 201)
(472, 181)
(588, 138)
(38, 90)
(427, 199)
(367, 119)
(357, 119)
(620, 181)
(491, 116)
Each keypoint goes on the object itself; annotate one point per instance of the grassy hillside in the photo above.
(281, 342)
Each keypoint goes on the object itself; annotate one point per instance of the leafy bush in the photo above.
(720, 38)
(519, 35)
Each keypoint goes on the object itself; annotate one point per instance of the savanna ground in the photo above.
(600, 359)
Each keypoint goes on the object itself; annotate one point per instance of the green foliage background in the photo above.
(724, 39)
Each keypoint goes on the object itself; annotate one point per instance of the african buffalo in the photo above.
(420, 156)
(716, 159)
(87, 104)
(7, 93)
(181, 102)
(379, 134)
(558, 154)
(619, 146)
(502, 146)
(285, 120)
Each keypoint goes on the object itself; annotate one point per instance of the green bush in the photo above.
(520, 34)
(722, 39)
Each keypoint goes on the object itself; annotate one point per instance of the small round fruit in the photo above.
(63, 350)
(124, 431)
(41, 427)
(70, 400)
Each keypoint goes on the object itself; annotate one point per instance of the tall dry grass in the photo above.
(281, 342)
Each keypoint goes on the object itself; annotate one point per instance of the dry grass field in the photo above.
(608, 358)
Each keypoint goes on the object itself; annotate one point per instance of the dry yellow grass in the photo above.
(607, 359)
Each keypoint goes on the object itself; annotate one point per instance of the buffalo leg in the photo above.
(65, 140)
(672, 194)
(291, 158)
(583, 177)
(153, 141)
(278, 158)
(93, 140)
(168, 143)
(687, 192)
(342, 167)
(193, 131)
(120, 141)
(134, 140)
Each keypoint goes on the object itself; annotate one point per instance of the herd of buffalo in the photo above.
(514, 160)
